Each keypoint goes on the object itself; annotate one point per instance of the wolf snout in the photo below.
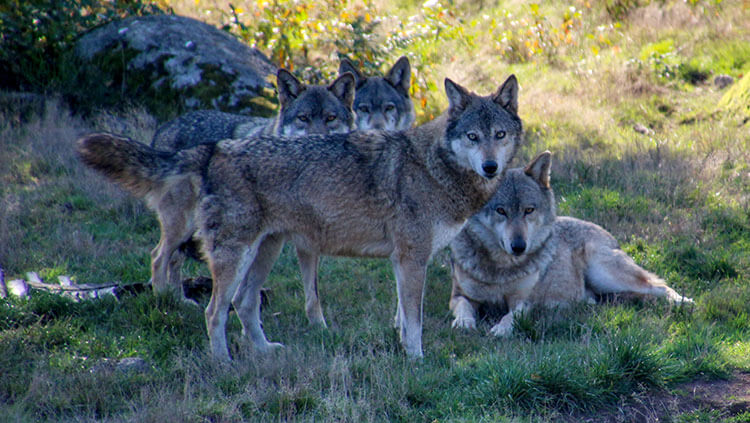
(518, 246)
(489, 167)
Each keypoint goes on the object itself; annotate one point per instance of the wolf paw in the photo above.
(502, 329)
(269, 346)
(191, 302)
(464, 323)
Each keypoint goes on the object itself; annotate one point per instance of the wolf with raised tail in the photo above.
(517, 252)
(401, 195)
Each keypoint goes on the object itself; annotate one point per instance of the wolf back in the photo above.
(364, 194)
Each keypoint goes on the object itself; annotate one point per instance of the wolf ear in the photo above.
(507, 95)
(288, 86)
(343, 88)
(539, 168)
(458, 97)
(346, 65)
(400, 75)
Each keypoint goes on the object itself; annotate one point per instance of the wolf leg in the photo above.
(611, 271)
(229, 266)
(308, 265)
(463, 312)
(505, 326)
(410, 281)
(165, 262)
(246, 299)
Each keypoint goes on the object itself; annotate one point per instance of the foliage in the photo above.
(736, 101)
(36, 36)
(676, 197)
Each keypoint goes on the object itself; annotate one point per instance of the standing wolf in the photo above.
(402, 195)
(516, 252)
(382, 102)
(305, 109)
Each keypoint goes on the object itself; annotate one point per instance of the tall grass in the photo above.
(676, 197)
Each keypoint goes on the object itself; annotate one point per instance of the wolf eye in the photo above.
(500, 135)
(331, 118)
(364, 109)
(389, 107)
(472, 136)
(501, 211)
(528, 210)
(303, 118)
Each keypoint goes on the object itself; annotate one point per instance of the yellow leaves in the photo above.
(368, 18)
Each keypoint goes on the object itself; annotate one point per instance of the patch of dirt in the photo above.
(729, 397)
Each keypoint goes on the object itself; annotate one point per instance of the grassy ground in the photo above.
(676, 196)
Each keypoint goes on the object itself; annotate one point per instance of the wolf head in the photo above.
(483, 132)
(382, 102)
(521, 213)
(314, 109)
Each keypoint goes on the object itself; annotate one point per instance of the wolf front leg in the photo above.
(410, 280)
(246, 300)
(229, 266)
(308, 266)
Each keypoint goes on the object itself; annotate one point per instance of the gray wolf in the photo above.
(304, 109)
(402, 195)
(516, 252)
(382, 102)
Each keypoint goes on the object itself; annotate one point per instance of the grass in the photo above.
(676, 198)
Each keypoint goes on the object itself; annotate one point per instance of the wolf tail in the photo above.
(136, 166)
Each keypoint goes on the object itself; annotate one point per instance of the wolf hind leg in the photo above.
(612, 271)
(246, 299)
(166, 260)
(308, 265)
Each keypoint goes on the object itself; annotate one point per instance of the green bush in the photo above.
(37, 35)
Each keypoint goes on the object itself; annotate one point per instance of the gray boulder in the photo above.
(174, 61)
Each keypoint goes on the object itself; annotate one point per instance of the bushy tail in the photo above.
(136, 166)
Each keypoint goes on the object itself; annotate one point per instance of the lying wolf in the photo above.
(517, 252)
(402, 195)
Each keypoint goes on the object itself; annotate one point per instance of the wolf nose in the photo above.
(518, 246)
(489, 167)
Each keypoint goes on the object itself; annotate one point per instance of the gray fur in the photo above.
(402, 195)
(304, 109)
(516, 252)
(383, 102)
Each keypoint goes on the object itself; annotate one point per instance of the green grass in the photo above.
(676, 198)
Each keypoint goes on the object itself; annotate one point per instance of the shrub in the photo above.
(36, 36)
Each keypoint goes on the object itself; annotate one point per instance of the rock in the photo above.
(179, 61)
(723, 81)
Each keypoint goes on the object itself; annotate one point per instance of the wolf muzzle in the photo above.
(490, 168)
(518, 246)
